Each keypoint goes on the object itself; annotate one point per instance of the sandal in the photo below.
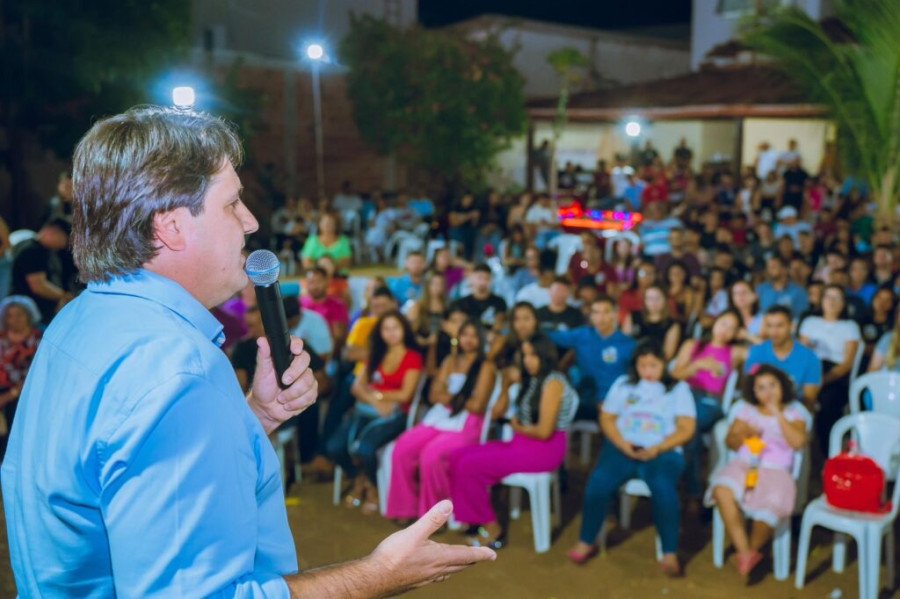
(670, 569)
(747, 561)
(580, 559)
(482, 538)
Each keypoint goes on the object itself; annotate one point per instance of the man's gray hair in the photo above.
(134, 165)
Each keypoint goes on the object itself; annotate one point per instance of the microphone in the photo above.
(262, 269)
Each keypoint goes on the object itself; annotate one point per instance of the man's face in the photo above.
(778, 328)
(603, 316)
(480, 283)
(559, 294)
(215, 239)
(676, 239)
(54, 238)
(774, 270)
(316, 285)
(380, 306)
(415, 265)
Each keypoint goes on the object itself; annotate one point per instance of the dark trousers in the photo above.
(341, 402)
(613, 470)
(355, 444)
(833, 398)
(709, 411)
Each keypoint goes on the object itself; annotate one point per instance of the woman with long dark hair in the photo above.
(654, 322)
(544, 409)
(646, 420)
(459, 396)
(383, 392)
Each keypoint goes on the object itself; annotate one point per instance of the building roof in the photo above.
(710, 93)
(674, 37)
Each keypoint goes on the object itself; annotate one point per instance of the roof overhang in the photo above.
(681, 113)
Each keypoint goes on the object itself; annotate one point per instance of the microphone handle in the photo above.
(271, 309)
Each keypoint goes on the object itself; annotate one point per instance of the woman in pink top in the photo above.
(782, 425)
(706, 365)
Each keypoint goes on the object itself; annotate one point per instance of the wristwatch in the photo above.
(379, 396)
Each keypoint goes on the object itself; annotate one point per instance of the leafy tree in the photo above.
(65, 63)
(856, 76)
(443, 104)
(570, 65)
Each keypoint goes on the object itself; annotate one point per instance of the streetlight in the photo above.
(315, 52)
(183, 97)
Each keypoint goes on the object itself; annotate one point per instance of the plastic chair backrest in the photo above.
(857, 361)
(495, 397)
(416, 402)
(730, 389)
(884, 387)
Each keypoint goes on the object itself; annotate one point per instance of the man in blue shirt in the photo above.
(136, 466)
(780, 291)
(785, 353)
(408, 286)
(602, 354)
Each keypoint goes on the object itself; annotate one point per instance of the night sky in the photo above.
(600, 14)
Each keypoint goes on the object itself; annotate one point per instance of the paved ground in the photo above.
(326, 534)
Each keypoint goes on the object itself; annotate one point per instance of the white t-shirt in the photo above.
(540, 215)
(534, 294)
(829, 339)
(314, 329)
(440, 417)
(647, 412)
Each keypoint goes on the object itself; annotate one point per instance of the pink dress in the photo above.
(775, 493)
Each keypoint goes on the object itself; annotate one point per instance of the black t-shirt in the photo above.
(794, 182)
(566, 320)
(244, 358)
(31, 257)
(484, 310)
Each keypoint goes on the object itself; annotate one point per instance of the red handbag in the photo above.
(855, 482)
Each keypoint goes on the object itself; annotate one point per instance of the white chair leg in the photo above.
(889, 555)
(383, 475)
(839, 552)
(540, 516)
(864, 562)
(625, 505)
(556, 501)
(585, 448)
(601, 536)
(781, 551)
(338, 483)
(515, 502)
(659, 551)
(803, 552)
(873, 555)
(718, 539)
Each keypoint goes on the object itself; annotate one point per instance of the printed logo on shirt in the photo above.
(610, 355)
(632, 399)
(488, 316)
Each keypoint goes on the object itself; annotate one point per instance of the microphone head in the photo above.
(262, 268)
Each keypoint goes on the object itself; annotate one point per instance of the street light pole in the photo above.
(316, 55)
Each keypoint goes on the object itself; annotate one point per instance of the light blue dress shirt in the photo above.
(135, 467)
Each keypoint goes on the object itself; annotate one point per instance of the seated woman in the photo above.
(834, 339)
(646, 420)
(383, 391)
(425, 314)
(742, 299)
(706, 365)
(770, 415)
(459, 396)
(453, 269)
(19, 338)
(544, 409)
(887, 350)
(328, 241)
(653, 322)
(523, 326)
(683, 302)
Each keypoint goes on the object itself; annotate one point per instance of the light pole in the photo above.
(316, 55)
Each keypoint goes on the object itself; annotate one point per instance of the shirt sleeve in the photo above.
(310, 249)
(684, 401)
(884, 344)
(615, 399)
(813, 371)
(181, 496)
(565, 339)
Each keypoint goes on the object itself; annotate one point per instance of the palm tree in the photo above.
(854, 73)
(569, 65)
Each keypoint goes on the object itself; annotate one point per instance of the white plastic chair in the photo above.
(884, 387)
(781, 541)
(585, 428)
(281, 440)
(383, 474)
(566, 245)
(546, 504)
(878, 436)
(857, 361)
(20, 235)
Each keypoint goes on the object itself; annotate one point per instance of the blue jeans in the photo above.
(709, 411)
(613, 470)
(355, 444)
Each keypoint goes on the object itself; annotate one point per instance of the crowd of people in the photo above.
(500, 340)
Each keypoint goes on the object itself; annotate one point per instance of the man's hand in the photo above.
(413, 560)
(272, 404)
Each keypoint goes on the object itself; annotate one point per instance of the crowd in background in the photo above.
(503, 329)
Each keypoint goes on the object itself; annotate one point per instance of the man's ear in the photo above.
(169, 228)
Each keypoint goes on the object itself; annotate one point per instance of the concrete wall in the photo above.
(276, 28)
(811, 135)
(618, 59)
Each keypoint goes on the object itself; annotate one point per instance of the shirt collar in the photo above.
(166, 292)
